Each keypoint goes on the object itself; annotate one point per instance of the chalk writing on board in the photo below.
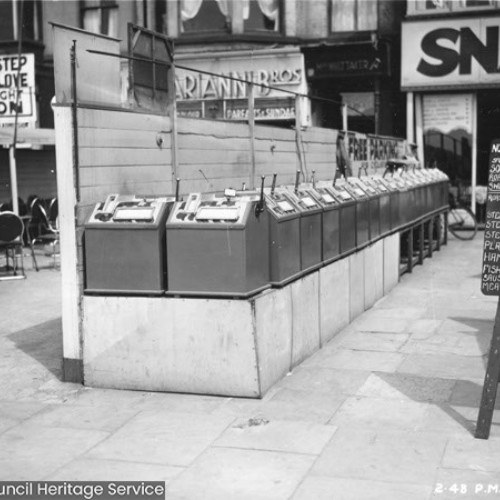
(490, 284)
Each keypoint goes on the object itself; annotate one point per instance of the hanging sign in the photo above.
(491, 248)
(17, 90)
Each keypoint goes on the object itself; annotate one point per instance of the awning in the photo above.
(28, 136)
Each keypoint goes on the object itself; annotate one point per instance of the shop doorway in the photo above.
(488, 128)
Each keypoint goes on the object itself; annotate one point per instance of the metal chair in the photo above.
(50, 231)
(11, 241)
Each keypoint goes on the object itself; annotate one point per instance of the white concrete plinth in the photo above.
(273, 327)
(334, 299)
(224, 346)
(374, 273)
(305, 317)
(391, 262)
(357, 284)
(179, 345)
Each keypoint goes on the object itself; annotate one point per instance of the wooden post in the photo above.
(474, 153)
(490, 383)
(13, 179)
(298, 138)
(344, 117)
(251, 125)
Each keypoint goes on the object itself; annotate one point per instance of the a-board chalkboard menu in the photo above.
(491, 249)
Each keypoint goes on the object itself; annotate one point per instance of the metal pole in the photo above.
(74, 107)
(474, 153)
(251, 124)
(13, 178)
(12, 150)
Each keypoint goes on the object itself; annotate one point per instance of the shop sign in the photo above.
(17, 90)
(352, 60)
(204, 94)
(490, 282)
(446, 113)
(450, 53)
(371, 152)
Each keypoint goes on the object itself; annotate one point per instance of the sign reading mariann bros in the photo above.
(491, 247)
(17, 90)
(204, 94)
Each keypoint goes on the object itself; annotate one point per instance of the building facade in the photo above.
(452, 86)
(345, 54)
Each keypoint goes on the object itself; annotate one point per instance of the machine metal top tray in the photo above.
(214, 209)
(120, 211)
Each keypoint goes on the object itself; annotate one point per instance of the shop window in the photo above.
(100, 16)
(160, 13)
(32, 19)
(261, 15)
(31, 13)
(204, 15)
(6, 21)
(436, 6)
(353, 15)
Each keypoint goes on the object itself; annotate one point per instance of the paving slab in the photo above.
(348, 359)
(468, 393)
(98, 417)
(368, 413)
(312, 378)
(327, 402)
(468, 453)
(328, 488)
(162, 438)
(277, 435)
(225, 473)
(441, 365)
(375, 341)
(382, 455)
(425, 328)
(30, 452)
(407, 387)
(372, 322)
(87, 469)
(283, 407)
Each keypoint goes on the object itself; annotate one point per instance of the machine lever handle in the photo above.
(259, 208)
(273, 185)
(297, 178)
(177, 183)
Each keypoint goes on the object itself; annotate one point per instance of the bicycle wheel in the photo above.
(462, 223)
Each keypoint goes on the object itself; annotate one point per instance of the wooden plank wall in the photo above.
(119, 152)
(215, 154)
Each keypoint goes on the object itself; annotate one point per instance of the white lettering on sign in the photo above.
(192, 86)
(284, 113)
(17, 90)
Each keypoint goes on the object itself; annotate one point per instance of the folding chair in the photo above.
(11, 241)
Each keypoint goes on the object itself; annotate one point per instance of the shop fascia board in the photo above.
(28, 138)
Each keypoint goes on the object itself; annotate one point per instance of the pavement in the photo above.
(387, 410)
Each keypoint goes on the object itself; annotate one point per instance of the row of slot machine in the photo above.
(237, 243)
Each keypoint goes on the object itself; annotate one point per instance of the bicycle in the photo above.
(462, 222)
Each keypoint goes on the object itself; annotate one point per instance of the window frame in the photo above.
(104, 5)
(356, 28)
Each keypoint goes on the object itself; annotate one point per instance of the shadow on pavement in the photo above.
(43, 343)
